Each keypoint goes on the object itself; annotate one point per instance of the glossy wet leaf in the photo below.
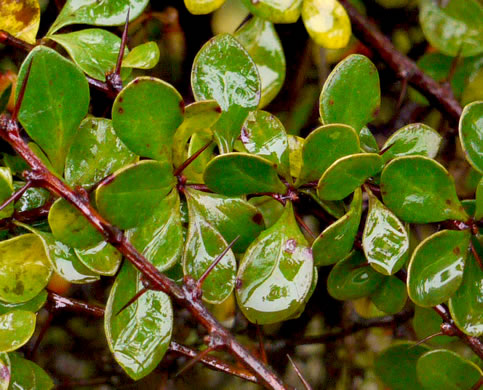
(130, 195)
(337, 240)
(194, 171)
(203, 244)
(323, 147)
(236, 174)
(32, 198)
(368, 141)
(104, 13)
(466, 304)
(479, 201)
(453, 28)
(160, 237)
(295, 145)
(471, 134)
(276, 272)
(138, 336)
(140, 123)
(444, 369)
(70, 226)
(346, 174)
(199, 117)
(202, 7)
(26, 375)
(420, 190)
(34, 305)
(94, 50)
(396, 366)
(260, 40)
(391, 296)
(353, 278)
(16, 329)
(285, 11)
(20, 18)
(63, 258)
(24, 268)
(327, 23)
(436, 268)
(351, 94)
(5, 371)
(413, 139)
(95, 153)
(223, 71)
(6, 189)
(144, 56)
(102, 258)
(50, 112)
(264, 135)
(385, 240)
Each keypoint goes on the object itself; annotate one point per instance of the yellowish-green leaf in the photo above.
(21, 18)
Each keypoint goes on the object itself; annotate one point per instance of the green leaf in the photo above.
(260, 40)
(420, 190)
(466, 305)
(455, 28)
(236, 174)
(5, 97)
(101, 259)
(203, 244)
(327, 23)
(95, 153)
(351, 94)
(295, 145)
(104, 13)
(264, 135)
(427, 322)
(353, 278)
(34, 305)
(63, 258)
(385, 241)
(337, 240)
(50, 112)
(145, 56)
(128, 197)
(269, 207)
(70, 226)
(24, 268)
(94, 50)
(346, 174)
(368, 141)
(471, 134)
(202, 7)
(396, 366)
(199, 117)
(391, 296)
(20, 19)
(141, 124)
(285, 11)
(138, 336)
(436, 268)
(5, 371)
(276, 272)
(443, 369)
(6, 190)
(335, 208)
(16, 329)
(479, 201)
(224, 71)
(32, 198)
(232, 217)
(194, 171)
(413, 139)
(335, 141)
(160, 237)
(28, 375)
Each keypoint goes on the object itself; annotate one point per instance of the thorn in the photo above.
(203, 277)
(475, 255)
(123, 44)
(21, 94)
(304, 225)
(193, 157)
(261, 347)
(402, 95)
(138, 295)
(193, 361)
(299, 374)
(427, 338)
(16, 195)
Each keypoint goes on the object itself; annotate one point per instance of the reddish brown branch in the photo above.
(440, 96)
(10, 40)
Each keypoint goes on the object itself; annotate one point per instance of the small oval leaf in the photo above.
(16, 328)
(276, 11)
(20, 19)
(101, 259)
(145, 56)
(471, 134)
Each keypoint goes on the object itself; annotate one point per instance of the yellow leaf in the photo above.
(203, 7)
(327, 23)
(20, 18)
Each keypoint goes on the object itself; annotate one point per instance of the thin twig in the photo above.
(10, 40)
